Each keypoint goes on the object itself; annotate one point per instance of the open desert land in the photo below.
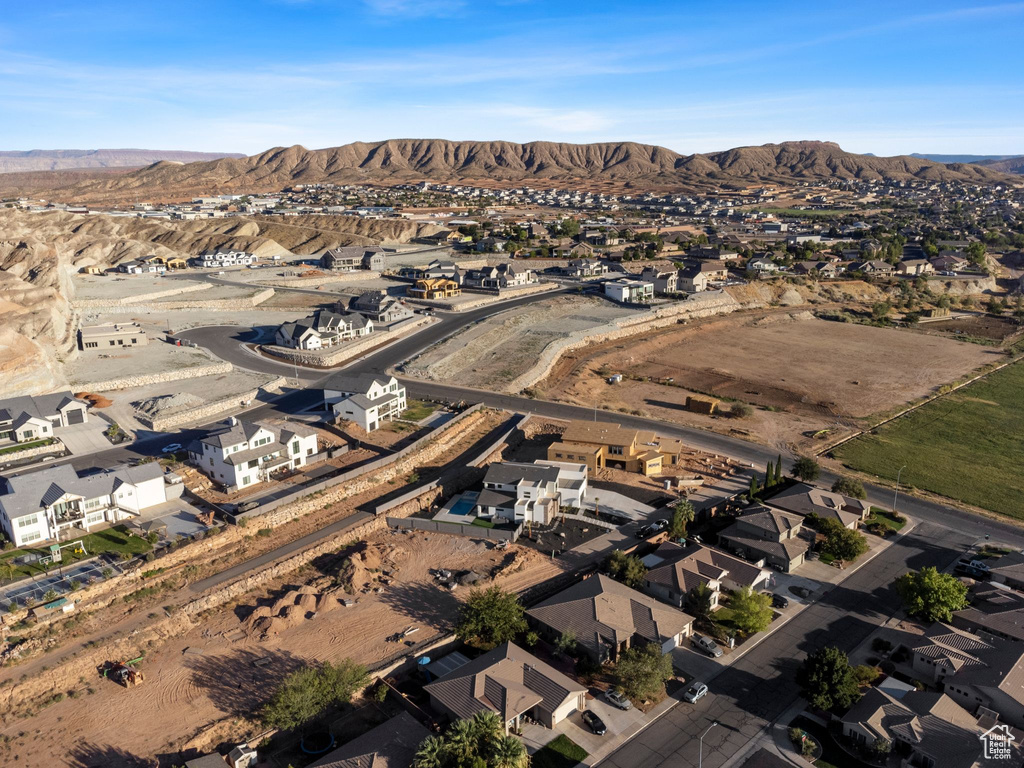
(202, 684)
(804, 374)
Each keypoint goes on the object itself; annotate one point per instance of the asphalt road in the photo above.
(752, 693)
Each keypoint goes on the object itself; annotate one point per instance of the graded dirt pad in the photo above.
(808, 374)
(976, 326)
(202, 684)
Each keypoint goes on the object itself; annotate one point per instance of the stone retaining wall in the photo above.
(40, 450)
(127, 382)
(310, 282)
(213, 305)
(142, 297)
(328, 358)
(203, 412)
(485, 299)
(720, 303)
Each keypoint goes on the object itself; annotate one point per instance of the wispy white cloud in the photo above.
(412, 9)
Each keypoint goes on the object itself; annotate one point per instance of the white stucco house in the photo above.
(58, 504)
(365, 399)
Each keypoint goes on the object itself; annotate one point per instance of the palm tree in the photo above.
(510, 753)
(6, 571)
(488, 729)
(430, 753)
(461, 738)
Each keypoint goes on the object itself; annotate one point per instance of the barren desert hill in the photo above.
(39, 253)
(67, 159)
(1013, 165)
(627, 164)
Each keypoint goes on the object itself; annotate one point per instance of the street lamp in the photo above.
(896, 495)
(700, 754)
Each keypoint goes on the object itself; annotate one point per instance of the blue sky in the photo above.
(245, 75)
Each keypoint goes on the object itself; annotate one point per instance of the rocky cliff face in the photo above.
(621, 163)
(39, 253)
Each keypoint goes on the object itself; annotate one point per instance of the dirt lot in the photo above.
(977, 326)
(806, 374)
(199, 682)
(494, 352)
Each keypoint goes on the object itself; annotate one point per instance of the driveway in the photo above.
(616, 503)
(616, 721)
(84, 439)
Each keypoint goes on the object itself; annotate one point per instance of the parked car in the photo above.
(706, 645)
(617, 699)
(644, 532)
(695, 692)
(594, 723)
(171, 448)
(779, 601)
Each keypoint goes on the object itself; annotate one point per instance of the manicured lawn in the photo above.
(561, 752)
(113, 540)
(26, 446)
(417, 409)
(885, 519)
(483, 523)
(965, 446)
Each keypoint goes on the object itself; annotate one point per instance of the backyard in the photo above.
(116, 541)
(560, 752)
(965, 446)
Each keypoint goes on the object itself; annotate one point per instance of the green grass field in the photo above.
(560, 752)
(112, 540)
(885, 519)
(417, 410)
(966, 446)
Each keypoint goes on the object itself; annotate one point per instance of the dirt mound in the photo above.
(290, 610)
(168, 403)
(94, 400)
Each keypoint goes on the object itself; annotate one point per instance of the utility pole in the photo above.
(896, 495)
(700, 755)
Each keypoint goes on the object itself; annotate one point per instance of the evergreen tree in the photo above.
(778, 470)
(769, 476)
(753, 486)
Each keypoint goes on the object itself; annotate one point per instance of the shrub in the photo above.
(880, 645)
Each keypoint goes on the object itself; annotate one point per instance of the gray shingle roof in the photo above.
(30, 492)
(392, 744)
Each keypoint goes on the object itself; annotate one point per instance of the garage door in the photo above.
(76, 416)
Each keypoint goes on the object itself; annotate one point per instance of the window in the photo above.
(295, 447)
(91, 344)
(24, 522)
(112, 343)
(615, 450)
(31, 537)
(253, 464)
(134, 341)
(245, 480)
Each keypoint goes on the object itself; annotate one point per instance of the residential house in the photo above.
(692, 280)
(673, 571)
(950, 261)
(714, 271)
(1008, 569)
(872, 267)
(217, 258)
(510, 682)
(803, 499)
(24, 419)
(434, 288)
(239, 454)
(365, 398)
(585, 268)
(379, 307)
(925, 729)
(351, 257)
(825, 269)
(995, 611)
(762, 265)
(664, 281)
(600, 444)
(771, 535)
(57, 503)
(434, 270)
(574, 250)
(711, 253)
(976, 673)
(323, 329)
(499, 278)
(117, 335)
(607, 617)
(520, 491)
(392, 744)
(491, 245)
(914, 267)
(130, 267)
(628, 291)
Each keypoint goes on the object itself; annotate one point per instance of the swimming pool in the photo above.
(464, 506)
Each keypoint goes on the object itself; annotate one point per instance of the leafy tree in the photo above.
(881, 310)
(490, 617)
(931, 595)
(840, 542)
(628, 569)
(806, 469)
(826, 679)
(683, 514)
(881, 748)
(566, 643)
(698, 601)
(307, 693)
(751, 611)
(849, 487)
(641, 672)
(740, 411)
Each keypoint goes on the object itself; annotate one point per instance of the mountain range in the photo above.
(66, 159)
(609, 165)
